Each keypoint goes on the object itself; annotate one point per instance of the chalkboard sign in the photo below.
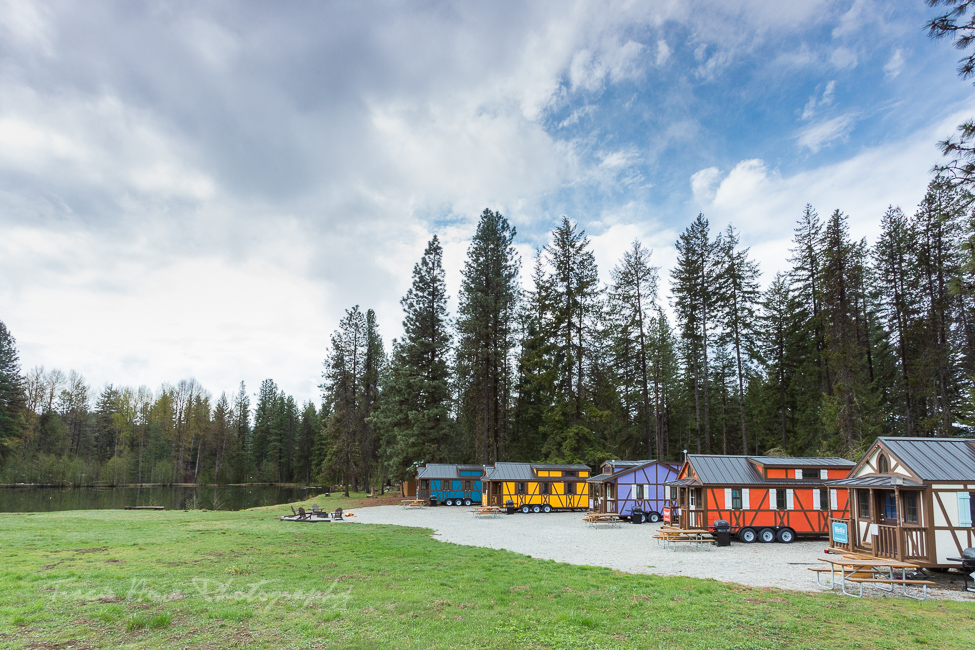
(840, 533)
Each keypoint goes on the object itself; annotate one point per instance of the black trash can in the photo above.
(433, 502)
(636, 515)
(509, 507)
(721, 530)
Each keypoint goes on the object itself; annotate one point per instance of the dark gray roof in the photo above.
(510, 472)
(627, 463)
(571, 468)
(876, 480)
(468, 467)
(437, 470)
(684, 482)
(778, 461)
(936, 459)
(633, 466)
(737, 470)
(600, 478)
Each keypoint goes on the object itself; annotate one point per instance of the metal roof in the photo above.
(936, 459)
(684, 482)
(876, 480)
(633, 466)
(600, 478)
(737, 470)
(778, 461)
(627, 463)
(437, 470)
(571, 468)
(510, 472)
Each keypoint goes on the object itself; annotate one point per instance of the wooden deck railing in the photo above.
(901, 543)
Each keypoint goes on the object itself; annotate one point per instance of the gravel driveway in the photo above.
(563, 537)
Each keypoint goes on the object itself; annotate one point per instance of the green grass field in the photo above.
(109, 578)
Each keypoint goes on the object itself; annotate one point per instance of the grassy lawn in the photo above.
(110, 578)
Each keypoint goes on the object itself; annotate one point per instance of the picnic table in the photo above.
(672, 537)
(480, 512)
(608, 519)
(413, 503)
(860, 570)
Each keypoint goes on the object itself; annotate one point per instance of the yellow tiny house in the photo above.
(535, 487)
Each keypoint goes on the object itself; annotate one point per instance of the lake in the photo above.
(220, 497)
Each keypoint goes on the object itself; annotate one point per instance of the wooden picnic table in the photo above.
(669, 536)
(413, 503)
(860, 570)
(487, 511)
(595, 519)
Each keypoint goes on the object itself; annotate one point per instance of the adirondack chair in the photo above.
(337, 515)
(318, 512)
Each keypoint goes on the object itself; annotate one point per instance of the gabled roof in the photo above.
(738, 470)
(437, 470)
(876, 480)
(633, 466)
(935, 459)
(526, 471)
(786, 461)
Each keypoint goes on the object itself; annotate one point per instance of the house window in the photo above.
(695, 497)
(736, 499)
(863, 504)
(824, 499)
(780, 501)
(520, 487)
(890, 506)
(909, 501)
(673, 492)
(424, 484)
(638, 492)
(810, 473)
(567, 474)
(544, 488)
(467, 486)
(882, 465)
(570, 488)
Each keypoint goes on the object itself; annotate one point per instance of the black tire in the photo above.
(785, 536)
(448, 502)
(766, 535)
(467, 502)
(525, 509)
(546, 508)
(654, 517)
(747, 536)
(536, 509)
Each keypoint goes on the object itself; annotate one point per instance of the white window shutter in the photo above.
(744, 499)
(834, 501)
(816, 499)
(964, 509)
(798, 473)
(727, 498)
(789, 500)
(823, 474)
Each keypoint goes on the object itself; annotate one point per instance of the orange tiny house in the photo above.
(763, 498)
(536, 487)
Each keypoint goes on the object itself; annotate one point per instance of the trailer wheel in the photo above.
(448, 502)
(786, 536)
(546, 508)
(525, 509)
(467, 502)
(653, 517)
(766, 535)
(747, 535)
(536, 509)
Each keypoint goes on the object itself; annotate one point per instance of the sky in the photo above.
(201, 189)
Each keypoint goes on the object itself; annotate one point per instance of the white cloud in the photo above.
(820, 134)
(829, 93)
(894, 65)
(663, 52)
(703, 183)
(843, 58)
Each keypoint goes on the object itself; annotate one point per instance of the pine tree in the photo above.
(12, 399)
(488, 300)
(263, 449)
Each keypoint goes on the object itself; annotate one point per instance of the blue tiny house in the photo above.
(450, 485)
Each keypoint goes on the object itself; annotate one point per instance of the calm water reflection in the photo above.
(222, 497)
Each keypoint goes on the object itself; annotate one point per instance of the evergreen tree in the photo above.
(488, 300)
(264, 447)
(12, 399)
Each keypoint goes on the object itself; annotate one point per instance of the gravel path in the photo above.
(563, 537)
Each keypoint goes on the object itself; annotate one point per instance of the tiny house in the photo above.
(536, 487)
(623, 485)
(763, 498)
(450, 485)
(913, 501)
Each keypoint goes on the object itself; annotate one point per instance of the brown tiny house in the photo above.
(911, 500)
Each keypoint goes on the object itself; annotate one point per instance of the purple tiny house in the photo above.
(624, 484)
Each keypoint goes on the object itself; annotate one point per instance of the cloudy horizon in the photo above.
(200, 189)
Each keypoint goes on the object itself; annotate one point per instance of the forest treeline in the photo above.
(853, 341)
